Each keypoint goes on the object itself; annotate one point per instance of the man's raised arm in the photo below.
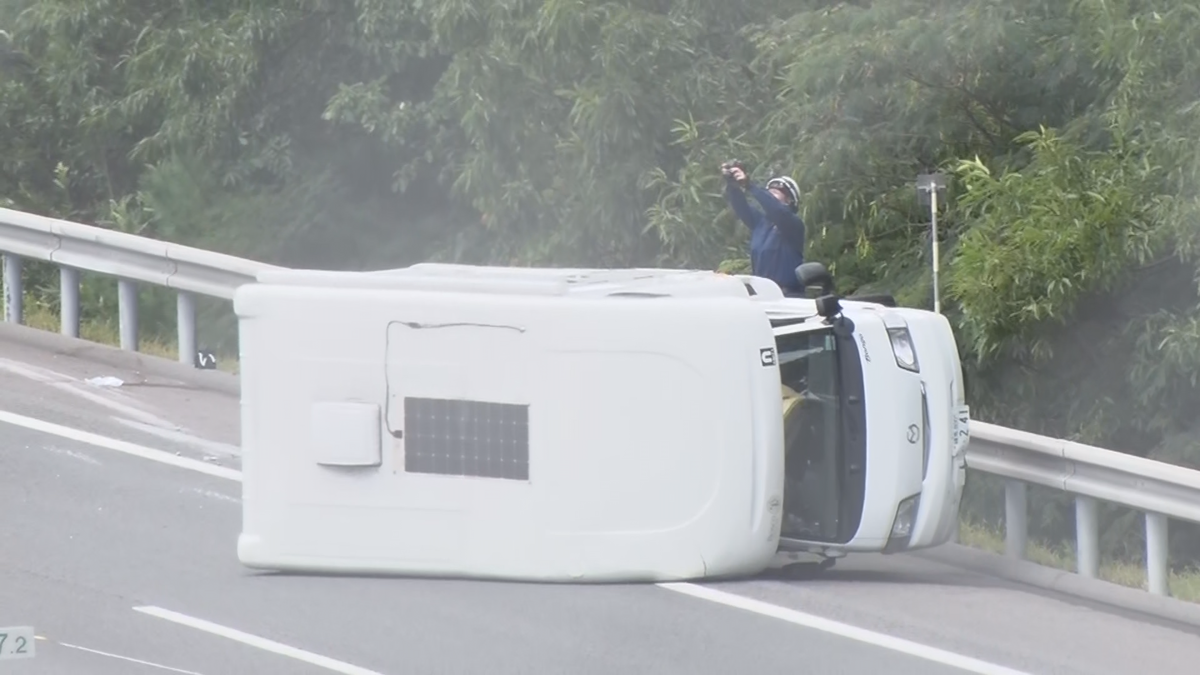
(741, 207)
(781, 216)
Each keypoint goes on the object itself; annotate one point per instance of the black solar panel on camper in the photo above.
(466, 438)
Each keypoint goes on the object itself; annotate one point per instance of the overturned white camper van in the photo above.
(587, 425)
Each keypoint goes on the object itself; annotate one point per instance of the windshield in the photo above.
(811, 376)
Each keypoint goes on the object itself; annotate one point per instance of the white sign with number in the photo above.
(16, 643)
(961, 426)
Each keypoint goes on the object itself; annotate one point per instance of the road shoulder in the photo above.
(76, 353)
(1068, 583)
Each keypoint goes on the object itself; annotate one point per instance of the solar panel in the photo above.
(453, 437)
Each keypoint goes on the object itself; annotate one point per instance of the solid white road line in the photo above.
(841, 629)
(126, 658)
(119, 446)
(255, 641)
(702, 592)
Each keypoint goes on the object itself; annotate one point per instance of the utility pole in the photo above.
(930, 186)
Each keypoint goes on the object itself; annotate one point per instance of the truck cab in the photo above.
(875, 426)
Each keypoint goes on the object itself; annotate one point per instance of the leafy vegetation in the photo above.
(372, 133)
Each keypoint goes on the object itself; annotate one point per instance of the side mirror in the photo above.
(815, 274)
(828, 306)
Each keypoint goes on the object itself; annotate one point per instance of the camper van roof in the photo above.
(569, 275)
(445, 277)
(579, 277)
(563, 281)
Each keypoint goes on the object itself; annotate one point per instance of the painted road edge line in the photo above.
(255, 641)
(125, 447)
(149, 664)
(824, 625)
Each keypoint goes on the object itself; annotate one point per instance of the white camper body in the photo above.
(579, 425)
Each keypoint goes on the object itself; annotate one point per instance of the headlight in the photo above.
(902, 524)
(902, 344)
(906, 514)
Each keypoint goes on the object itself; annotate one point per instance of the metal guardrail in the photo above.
(130, 258)
(1089, 473)
(1157, 489)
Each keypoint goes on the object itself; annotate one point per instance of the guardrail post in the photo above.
(14, 293)
(1156, 553)
(185, 315)
(1015, 522)
(127, 308)
(1087, 536)
(68, 300)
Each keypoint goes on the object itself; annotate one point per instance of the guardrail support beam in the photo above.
(185, 315)
(1157, 552)
(127, 308)
(14, 292)
(1016, 531)
(1087, 536)
(68, 300)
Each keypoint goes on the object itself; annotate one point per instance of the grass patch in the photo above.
(1183, 585)
(108, 333)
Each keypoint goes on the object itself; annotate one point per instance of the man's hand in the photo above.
(736, 171)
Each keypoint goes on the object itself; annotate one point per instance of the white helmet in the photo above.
(789, 187)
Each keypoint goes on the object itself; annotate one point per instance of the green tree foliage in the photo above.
(374, 133)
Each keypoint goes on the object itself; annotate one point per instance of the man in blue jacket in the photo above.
(776, 232)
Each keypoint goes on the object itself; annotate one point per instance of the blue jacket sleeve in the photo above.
(780, 215)
(741, 207)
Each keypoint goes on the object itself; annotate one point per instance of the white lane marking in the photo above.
(256, 641)
(129, 659)
(824, 625)
(118, 446)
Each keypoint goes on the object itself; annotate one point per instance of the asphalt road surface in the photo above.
(127, 565)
